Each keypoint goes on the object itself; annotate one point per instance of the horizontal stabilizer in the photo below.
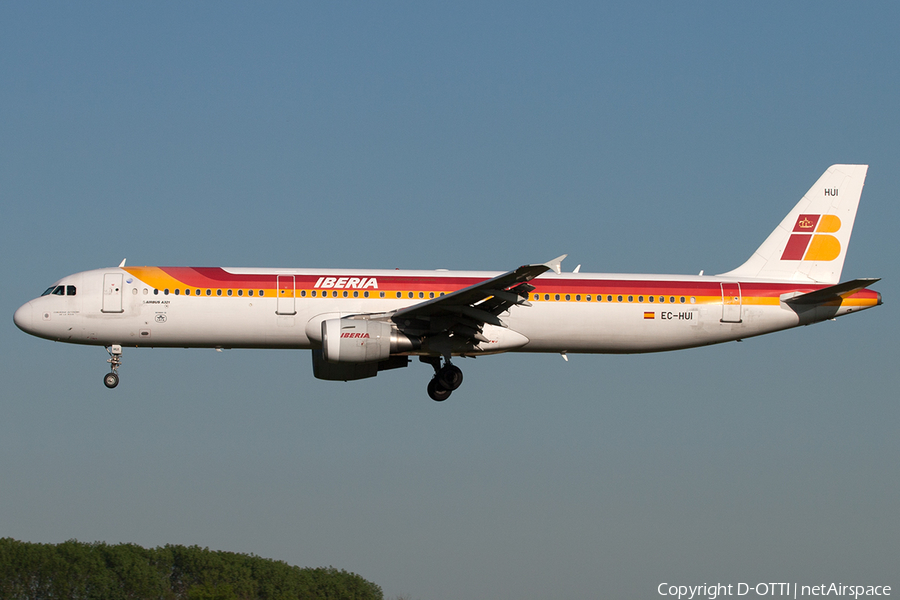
(834, 292)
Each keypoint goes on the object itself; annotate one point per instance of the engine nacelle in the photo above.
(362, 340)
(347, 371)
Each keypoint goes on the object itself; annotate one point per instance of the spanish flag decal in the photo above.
(649, 315)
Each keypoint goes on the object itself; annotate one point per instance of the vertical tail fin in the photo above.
(811, 242)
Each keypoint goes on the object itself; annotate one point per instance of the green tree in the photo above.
(101, 571)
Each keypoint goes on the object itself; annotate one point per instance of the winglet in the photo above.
(556, 264)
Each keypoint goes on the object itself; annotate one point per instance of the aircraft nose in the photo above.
(24, 318)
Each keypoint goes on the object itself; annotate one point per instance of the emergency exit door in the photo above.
(286, 296)
(112, 293)
(731, 303)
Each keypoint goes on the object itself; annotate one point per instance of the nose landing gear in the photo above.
(445, 380)
(111, 379)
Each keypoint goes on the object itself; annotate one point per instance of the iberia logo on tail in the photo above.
(810, 240)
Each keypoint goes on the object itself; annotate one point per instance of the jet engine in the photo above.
(362, 340)
(359, 348)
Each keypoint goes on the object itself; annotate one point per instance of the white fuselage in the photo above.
(358, 323)
(570, 312)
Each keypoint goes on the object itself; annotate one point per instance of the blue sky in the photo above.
(642, 137)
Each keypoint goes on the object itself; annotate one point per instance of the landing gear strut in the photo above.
(445, 380)
(111, 379)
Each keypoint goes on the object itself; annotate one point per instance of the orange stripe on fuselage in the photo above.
(703, 292)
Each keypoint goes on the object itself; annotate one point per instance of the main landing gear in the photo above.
(445, 380)
(111, 379)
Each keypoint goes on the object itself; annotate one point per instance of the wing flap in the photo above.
(480, 292)
(463, 314)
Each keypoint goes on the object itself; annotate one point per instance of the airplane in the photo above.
(360, 322)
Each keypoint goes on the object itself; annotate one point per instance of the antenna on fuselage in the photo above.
(122, 264)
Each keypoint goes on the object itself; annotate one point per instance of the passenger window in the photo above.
(262, 293)
(640, 298)
(209, 292)
(546, 296)
(166, 292)
(556, 297)
(218, 292)
(410, 294)
(588, 297)
(365, 294)
(345, 293)
(631, 298)
(241, 293)
(70, 290)
(672, 299)
(619, 298)
(177, 291)
(431, 294)
(568, 297)
(249, 292)
(134, 291)
(578, 297)
(155, 292)
(198, 292)
(229, 292)
(146, 291)
(187, 292)
(682, 299)
(693, 299)
(662, 299)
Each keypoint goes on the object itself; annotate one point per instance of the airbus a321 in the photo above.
(360, 322)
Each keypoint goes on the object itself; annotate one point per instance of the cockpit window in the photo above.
(60, 290)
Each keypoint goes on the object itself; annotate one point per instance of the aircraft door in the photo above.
(286, 296)
(112, 293)
(731, 302)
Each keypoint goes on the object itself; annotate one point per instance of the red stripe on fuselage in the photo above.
(216, 277)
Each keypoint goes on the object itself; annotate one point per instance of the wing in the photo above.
(455, 322)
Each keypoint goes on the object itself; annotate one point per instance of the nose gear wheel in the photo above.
(111, 379)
